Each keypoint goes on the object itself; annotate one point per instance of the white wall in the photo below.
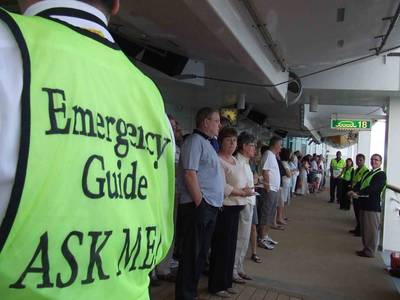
(391, 228)
(364, 144)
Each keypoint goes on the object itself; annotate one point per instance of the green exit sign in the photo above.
(351, 124)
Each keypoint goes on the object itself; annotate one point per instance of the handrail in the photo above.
(393, 188)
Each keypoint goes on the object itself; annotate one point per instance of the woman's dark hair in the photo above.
(285, 154)
(245, 138)
(349, 159)
(226, 132)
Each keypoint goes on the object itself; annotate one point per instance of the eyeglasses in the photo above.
(251, 145)
(375, 159)
(214, 120)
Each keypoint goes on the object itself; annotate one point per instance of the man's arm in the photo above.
(265, 174)
(192, 184)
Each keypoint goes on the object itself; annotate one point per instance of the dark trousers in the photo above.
(356, 208)
(344, 200)
(183, 220)
(196, 244)
(334, 186)
(223, 249)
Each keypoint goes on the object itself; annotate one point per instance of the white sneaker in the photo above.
(264, 244)
(271, 241)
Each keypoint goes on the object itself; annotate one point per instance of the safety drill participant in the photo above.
(359, 173)
(335, 169)
(345, 184)
(87, 204)
(369, 191)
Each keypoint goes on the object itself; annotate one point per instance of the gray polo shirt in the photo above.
(198, 154)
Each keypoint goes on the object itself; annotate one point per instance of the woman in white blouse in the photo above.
(223, 246)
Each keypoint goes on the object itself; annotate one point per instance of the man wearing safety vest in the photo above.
(335, 169)
(369, 192)
(359, 173)
(87, 178)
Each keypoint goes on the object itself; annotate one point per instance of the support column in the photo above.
(364, 144)
(391, 228)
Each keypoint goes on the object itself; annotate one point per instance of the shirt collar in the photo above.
(47, 4)
(202, 134)
(242, 157)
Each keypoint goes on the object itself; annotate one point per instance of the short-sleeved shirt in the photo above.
(271, 165)
(198, 154)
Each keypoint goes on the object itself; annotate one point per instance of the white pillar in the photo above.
(391, 231)
(364, 144)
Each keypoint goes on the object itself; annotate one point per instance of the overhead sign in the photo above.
(351, 124)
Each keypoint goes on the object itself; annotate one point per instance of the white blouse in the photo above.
(235, 177)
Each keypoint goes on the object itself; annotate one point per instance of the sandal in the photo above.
(223, 294)
(245, 276)
(256, 258)
(278, 227)
(238, 280)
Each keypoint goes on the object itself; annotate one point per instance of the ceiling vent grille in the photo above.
(340, 14)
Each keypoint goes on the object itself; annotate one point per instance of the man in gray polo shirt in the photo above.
(269, 196)
(202, 194)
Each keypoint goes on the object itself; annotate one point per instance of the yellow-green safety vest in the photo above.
(359, 174)
(90, 213)
(347, 174)
(366, 180)
(338, 165)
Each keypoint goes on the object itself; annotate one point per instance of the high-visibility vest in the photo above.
(359, 174)
(90, 213)
(366, 180)
(347, 174)
(338, 165)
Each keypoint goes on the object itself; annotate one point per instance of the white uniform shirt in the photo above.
(271, 165)
(11, 88)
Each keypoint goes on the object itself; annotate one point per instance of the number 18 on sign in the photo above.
(351, 124)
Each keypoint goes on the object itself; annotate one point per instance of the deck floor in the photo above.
(315, 260)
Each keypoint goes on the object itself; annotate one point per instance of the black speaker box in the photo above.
(256, 117)
(167, 62)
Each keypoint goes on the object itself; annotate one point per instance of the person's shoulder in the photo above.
(193, 140)
(381, 175)
(7, 39)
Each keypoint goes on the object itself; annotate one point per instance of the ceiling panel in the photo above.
(308, 31)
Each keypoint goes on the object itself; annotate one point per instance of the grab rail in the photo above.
(393, 188)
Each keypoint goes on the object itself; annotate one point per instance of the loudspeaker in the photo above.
(257, 117)
(167, 62)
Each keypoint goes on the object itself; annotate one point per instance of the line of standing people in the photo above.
(364, 188)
